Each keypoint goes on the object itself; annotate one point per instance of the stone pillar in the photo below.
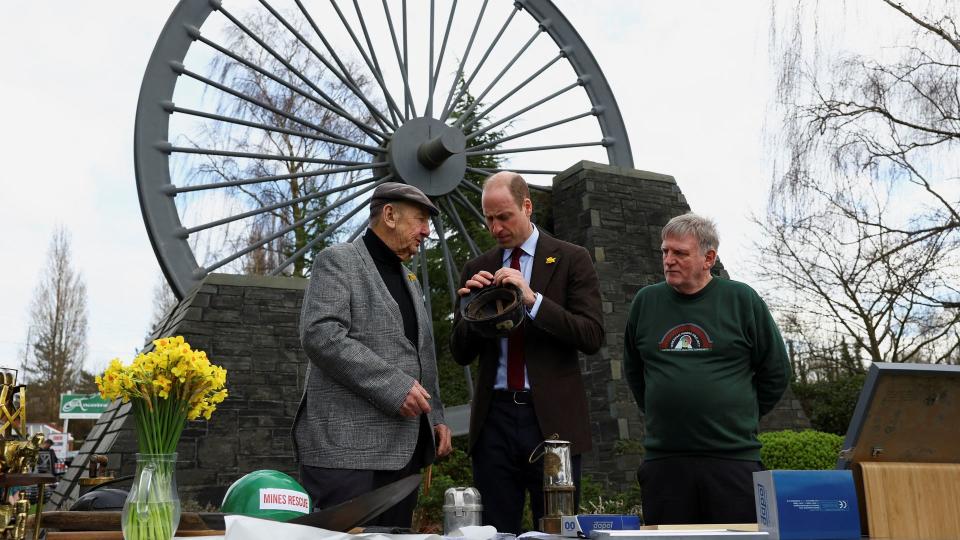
(617, 215)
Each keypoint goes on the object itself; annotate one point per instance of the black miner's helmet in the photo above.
(494, 311)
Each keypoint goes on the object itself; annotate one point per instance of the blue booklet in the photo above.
(807, 505)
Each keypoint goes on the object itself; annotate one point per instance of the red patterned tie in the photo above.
(515, 365)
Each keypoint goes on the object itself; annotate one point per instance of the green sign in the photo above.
(82, 406)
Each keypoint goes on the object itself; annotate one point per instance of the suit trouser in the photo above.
(501, 468)
(330, 487)
(697, 489)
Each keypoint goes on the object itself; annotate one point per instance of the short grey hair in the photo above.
(399, 208)
(699, 227)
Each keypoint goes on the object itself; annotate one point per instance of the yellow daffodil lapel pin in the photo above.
(411, 276)
(551, 260)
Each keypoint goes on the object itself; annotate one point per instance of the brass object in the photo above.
(6, 520)
(551, 465)
(98, 465)
(558, 488)
(13, 405)
(22, 509)
(551, 525)
(89, 482)
(20, 457)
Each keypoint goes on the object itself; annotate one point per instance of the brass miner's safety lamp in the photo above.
(558, 486)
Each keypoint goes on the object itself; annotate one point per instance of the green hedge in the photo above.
(800, 450)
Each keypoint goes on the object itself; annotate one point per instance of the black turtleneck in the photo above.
(393, 275)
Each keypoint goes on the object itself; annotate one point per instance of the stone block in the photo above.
(221, 316)
(276, 318)
(216, 452)
(225, 302)
(250, 315)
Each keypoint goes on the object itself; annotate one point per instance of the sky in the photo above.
(693, 80)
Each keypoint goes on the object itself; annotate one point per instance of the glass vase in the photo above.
(152, 509)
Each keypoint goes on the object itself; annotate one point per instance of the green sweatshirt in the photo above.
(703, 368)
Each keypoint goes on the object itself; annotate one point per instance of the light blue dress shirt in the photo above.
(529, 247)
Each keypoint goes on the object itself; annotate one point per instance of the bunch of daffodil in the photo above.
(167, 386)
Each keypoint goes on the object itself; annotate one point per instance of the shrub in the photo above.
(452, 471)
(594, 499)
(800, 450)
(829, 404)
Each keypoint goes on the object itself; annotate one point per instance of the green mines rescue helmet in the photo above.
(267, 494)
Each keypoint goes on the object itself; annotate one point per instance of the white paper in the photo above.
(474, 532)
(250, 528)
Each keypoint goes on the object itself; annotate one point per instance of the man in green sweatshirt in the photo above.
(705, 361)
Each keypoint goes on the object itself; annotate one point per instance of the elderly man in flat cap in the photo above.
(370, 412)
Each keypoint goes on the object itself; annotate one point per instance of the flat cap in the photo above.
(395, 191)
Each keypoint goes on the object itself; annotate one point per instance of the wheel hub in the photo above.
(428, 154)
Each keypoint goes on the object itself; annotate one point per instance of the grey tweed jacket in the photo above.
(361, 366)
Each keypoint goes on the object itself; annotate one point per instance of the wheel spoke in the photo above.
(473, 187)
(489, 172)
(604, 142)
(407, 102)
(261, 179)
(166, 147)
(391, 105)
(483, 59)
(453, 86)
(448, 207)
(428, 110)
(435, 72)
(510, 94)
(363, 126)
(554, 95)
(530, 131)
(288, 228)
(447, 260)
(425, 283)
(356, 232)
(465, 202)
(270, 208)
(406, 58)
(343, 73)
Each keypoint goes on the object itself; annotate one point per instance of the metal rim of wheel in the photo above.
(406, 139)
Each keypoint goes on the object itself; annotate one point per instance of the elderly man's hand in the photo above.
(416, 402)
(444, 440)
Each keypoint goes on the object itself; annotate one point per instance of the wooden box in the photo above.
(903, 445)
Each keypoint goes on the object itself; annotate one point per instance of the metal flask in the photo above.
(558, 486)
(461, 507)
